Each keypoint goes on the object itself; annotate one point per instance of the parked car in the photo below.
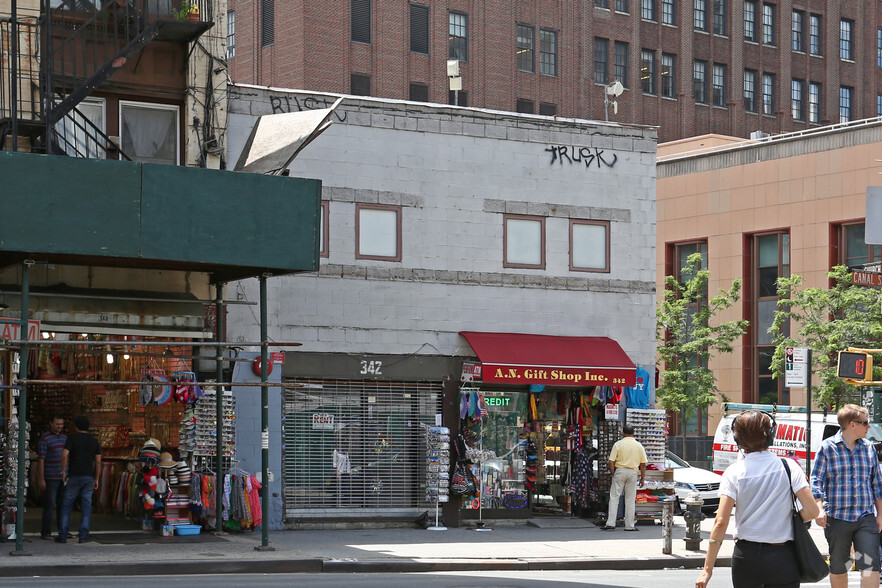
(688, 479)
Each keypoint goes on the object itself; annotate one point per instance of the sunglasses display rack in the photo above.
(438, 470)
(608, 432)
(9, 478)
(204, 416)
(651, 430)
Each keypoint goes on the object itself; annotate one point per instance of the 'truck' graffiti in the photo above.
(576, 155)
(282, 104)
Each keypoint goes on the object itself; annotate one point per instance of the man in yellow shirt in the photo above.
(626, 457)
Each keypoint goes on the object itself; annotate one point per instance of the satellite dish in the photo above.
(615, 89)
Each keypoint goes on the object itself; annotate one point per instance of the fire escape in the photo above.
(51, 60)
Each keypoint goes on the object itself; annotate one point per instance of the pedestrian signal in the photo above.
(854, 365)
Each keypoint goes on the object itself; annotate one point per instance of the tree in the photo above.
(827, 321)
(687, 339)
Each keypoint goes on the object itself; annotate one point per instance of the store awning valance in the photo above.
(516, 358)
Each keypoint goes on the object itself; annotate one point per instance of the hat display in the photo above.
(183, 472)
(166, 460)
(152, 444)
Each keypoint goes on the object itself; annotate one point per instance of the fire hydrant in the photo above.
(693, 517)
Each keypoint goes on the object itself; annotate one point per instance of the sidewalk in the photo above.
(558, 544)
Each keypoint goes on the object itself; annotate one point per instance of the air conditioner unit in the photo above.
(759, 135)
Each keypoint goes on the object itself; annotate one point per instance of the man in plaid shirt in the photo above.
(847, 483)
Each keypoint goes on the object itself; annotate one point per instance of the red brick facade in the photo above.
(312, 50)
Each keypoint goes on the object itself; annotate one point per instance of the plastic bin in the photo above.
(187, 529)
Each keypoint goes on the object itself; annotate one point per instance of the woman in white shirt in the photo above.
(758, 484)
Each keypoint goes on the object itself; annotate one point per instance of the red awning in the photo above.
(515, 358)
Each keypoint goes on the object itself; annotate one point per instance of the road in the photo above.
(669, 578)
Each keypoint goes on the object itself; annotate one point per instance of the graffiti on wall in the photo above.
(590, 156)
(284, 104)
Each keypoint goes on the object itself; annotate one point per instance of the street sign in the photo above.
(866, 278)
(796, 367)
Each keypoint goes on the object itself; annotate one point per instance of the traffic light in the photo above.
(855, 365)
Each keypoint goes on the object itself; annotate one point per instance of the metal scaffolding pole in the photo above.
(264, 420)
(22, 411)
(219, 409)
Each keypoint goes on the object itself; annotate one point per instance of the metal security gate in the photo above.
(356, 447)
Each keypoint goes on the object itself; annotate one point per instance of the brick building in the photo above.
(697, 67)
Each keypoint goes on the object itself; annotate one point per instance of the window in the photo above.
(814, 100)
(647, 9)
(76, 136)
(149, 133)
(419, 92)
(458, 98)
(719, 17)
(668, 79)
(769, 94)
(853, 249)
(750, 21)
(360, 21)
(231, 34)
(589, 246)
(360, 84)
(601, 4)
(845, 98)
(719, 84)
(815, 34)
(797, 104)
(771, 254)
(750, 104)
(647, 71)
(797, 31)
(601, 61)
(267, 22)
(621, 63)
(769, 24)
(699, 15)
(621, 6)
(523, 241)
(525, 48)
(669, 14)
(878, 47)
(419, 28)
(547, 52)
(846, 43)
(546, 109)
(524, 106)
(378, 232)
(878, 104)
(323, 228)
(458, 31)
(699, 81)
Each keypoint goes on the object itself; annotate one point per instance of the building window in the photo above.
(458, 98)
(750, 104)
(815, 34)
(149, 133)
(621, 6)
(524, 106)
(845, 97)
(458, 36)
(769, 94)
(419, 28)
(378, 232)
(360, 84)
(547, 52)
(797, 104)
(523, 241)
(878, 47)
(668, 75)
(231, 34)
(360, 21)
(668, 12)
(75, 133)
(323, 230)
(419, 92)
(846, 42)
(601, 60)
(769, 24)
(878, 104)
(546, 109)
(589, 246)
(525, 48)
(267, 22)
(719, 84)
(699, 81)
(621, 62)
(719, 17)
(647, 9)
(814, 100)
(699, 15)
(771, 255)
(750, 21)
(601, 4)
(647, 71)
(853, 249)
(797, 31)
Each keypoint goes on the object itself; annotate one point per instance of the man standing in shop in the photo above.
(80, 465)
(49, 451)
(626, 458)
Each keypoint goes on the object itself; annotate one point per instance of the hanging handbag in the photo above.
(812, 565)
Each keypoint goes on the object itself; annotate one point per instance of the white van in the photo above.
(790, 437)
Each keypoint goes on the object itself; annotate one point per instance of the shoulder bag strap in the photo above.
(789, 484)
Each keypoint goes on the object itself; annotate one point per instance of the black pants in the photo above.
(763, 565)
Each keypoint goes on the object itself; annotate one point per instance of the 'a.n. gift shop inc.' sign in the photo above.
(561, 376)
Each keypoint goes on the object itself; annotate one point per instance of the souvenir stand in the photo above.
(437, 471)
(651, 430)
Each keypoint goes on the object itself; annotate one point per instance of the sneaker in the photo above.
(605, 528)
(60, 539)
(632, 529)
(89, 539)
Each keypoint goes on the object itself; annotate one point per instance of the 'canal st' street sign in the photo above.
(864, 278)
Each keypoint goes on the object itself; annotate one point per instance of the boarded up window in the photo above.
(361, 21)
(419, 28)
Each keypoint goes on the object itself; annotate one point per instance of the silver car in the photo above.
(688, 479)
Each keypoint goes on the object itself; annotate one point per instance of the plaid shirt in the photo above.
(850, 482)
